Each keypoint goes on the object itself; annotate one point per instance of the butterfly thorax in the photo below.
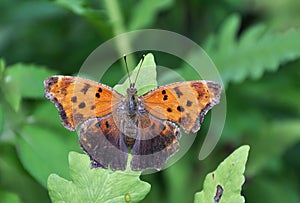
(132, 99)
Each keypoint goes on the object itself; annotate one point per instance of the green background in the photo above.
(254, 44)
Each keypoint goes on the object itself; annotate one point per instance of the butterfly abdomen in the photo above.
(130, 132)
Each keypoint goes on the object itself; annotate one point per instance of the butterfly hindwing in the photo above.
(103, 141)
(184, 103)
(77, 98)
(156, 141)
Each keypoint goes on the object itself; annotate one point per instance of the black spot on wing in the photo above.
(178, 92)
(74, 99)
(180, 109)
(81, 105)
(169, 110)
(189, 103)
(85, 88)
(107, 124)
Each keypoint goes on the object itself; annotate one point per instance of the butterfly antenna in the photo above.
(127, 69)
(142, 60)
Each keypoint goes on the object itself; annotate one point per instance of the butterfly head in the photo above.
(131, 90)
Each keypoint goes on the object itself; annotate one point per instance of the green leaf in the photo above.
(1, 119)
(2, 67)
(228, 175)
(254, 53)
(82, 8)
(228, 32)
(15, 179)
(96, 185)
(145, 12)
(8, 197)
(146, 79)
(11, 92)
(21, 80)
(29, 79)
(46, 115)
(43, 151)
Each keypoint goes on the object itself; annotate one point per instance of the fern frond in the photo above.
(253, 53)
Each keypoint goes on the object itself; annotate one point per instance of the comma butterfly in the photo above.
(113, 125)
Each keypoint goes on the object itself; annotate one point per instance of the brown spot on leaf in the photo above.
(219, 193)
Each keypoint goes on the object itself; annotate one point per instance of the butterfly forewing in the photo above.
(184, 103)
(79, 99)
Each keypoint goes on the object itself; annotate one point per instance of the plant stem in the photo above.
(118, 26)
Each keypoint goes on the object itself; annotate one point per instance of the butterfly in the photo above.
(111, 125)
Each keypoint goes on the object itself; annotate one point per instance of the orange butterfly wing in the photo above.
(184, 103)
(79, 99)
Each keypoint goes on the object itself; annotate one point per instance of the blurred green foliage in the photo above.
(255, 45)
